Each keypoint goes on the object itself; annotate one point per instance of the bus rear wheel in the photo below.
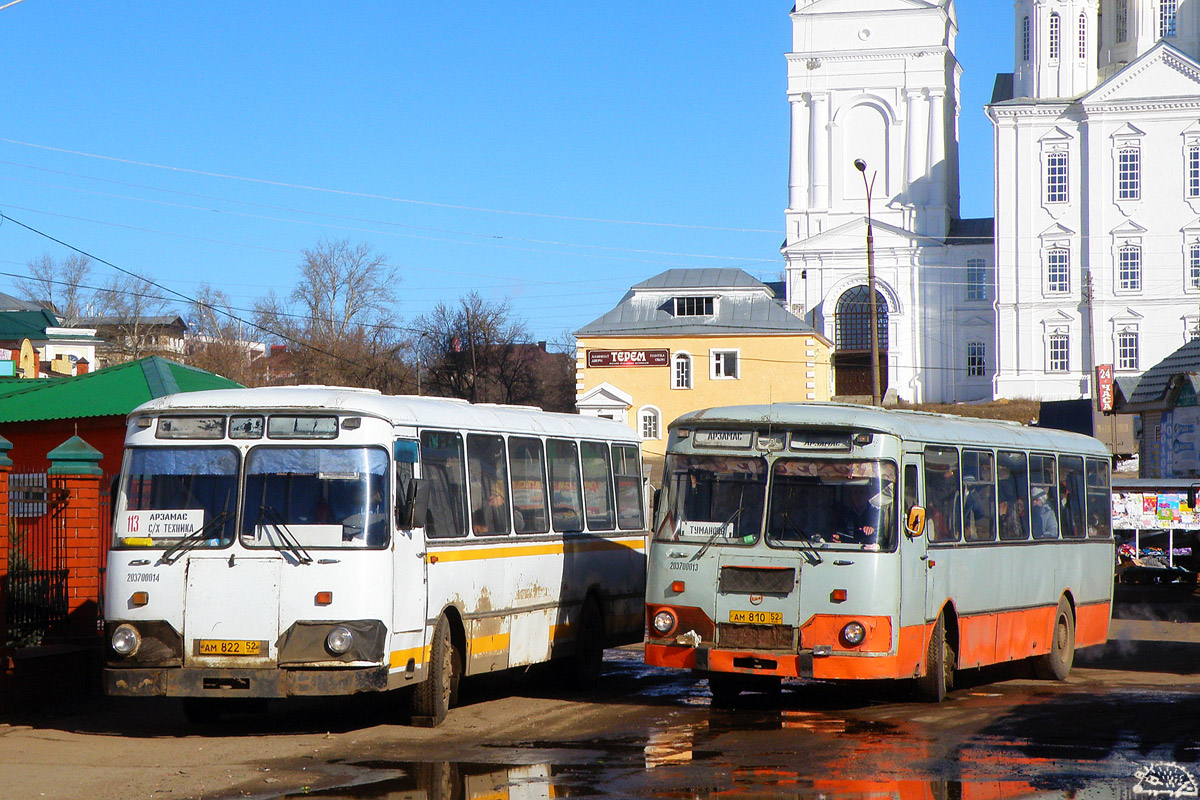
(939, 666)
(433, 698)
(1056, 665)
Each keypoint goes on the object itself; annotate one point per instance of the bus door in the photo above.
(410, 591)
(914, 557)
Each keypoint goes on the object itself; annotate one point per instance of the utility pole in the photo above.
(861, 166)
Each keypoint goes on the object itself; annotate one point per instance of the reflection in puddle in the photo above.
(442, 780)
(673, 745)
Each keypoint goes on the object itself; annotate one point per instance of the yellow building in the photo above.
(693, 338)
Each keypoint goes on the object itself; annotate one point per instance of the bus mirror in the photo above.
(915, 524)
(414, 505)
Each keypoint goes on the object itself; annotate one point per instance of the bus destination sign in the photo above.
(628, 358)
(735, 439)
(807, 440)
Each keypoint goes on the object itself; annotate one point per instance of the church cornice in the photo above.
(812, 60)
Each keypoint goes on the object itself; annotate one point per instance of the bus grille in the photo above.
(753, 580)
(756, 637)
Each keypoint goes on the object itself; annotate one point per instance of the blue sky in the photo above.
(550, 153)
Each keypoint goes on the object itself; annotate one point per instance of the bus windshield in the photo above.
(316, 497)
(171, 493)
(715, 498)
(832, 504)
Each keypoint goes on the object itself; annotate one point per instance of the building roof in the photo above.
(114, 391)
(743, 305)
(972, 231)
(10, 303)
(17, 325)
(1159, 379)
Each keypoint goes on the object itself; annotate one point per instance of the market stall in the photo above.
(1157, 532)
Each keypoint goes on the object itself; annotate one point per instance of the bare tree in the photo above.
(130, 310)
(337, 323)
(220, 341)
(60, 285)
(479, 351)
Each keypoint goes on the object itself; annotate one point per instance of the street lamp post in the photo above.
(861, 166)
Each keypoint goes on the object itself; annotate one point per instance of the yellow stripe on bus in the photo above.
(489, 644)
(398, 659)
(519, 551)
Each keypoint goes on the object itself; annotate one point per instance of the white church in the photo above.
(1093, 257)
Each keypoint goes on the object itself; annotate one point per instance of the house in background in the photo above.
(34, 345)
(126, 338)
(693, 338)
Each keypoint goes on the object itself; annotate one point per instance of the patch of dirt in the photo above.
(1023, 411)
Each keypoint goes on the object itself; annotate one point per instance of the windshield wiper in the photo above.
(289, 541)
(716, 533)
(806, 542)
(193, 539)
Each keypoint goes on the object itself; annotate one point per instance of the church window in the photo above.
(681, 372)
(693, 306)
(1056, 177)
(1127, 350)
(1059, 346)
(1129, 268)
(1025, 39)
(1054, 36)
(1166, 18)
(1193, 273)
(1058, 271)
(976, 279)
(1193, 171)
(1129, 173)
(976, 359)
(1121, 22)
(1083, 37)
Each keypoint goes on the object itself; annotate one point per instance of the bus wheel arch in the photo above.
(1056, 664)
(433, 697)
(941, 658)
(587, 657)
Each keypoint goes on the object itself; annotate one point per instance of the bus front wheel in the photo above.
(1056, 665)
(939, 666)
(433, 697)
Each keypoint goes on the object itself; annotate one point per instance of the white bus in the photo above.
(847, 542)
(323, 541)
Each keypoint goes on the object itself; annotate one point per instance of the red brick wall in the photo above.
(32, 440)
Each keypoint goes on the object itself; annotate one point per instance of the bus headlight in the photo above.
(339, 640)
(664, 622)
(126, 640)
(853, 634)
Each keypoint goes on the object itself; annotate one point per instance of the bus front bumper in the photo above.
(208, 682)
(706, 658)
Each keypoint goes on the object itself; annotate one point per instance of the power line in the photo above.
(388, 198)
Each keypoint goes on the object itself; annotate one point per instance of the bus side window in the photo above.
(566, 494)
(627, 470)
(442, 466)
(527, 464)
(979, 492)
(597, 486)
(943, 501)
(1099, 500)
(1071, 496)
(1043, 496)
(1013, 495)
(488, 474)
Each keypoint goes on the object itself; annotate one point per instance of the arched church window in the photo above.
(1082, 37)
(1055, 30)
(854, 319)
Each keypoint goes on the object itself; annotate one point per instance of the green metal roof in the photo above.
(16, 325)
(114, 391)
